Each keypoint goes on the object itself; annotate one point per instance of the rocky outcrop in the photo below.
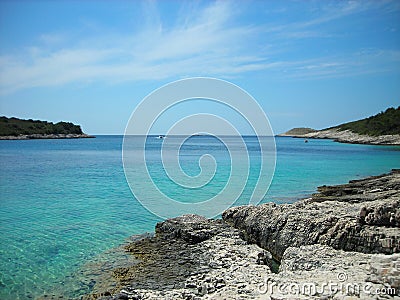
(342, 243)
(361, 216)
(190, 228)
(347, 136)
(190, 257)
(320, 272)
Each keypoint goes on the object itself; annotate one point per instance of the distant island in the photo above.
(19, 129)
(380, 129)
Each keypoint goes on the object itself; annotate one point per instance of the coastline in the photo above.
(347, 136)
(46, 136)
(350, 230)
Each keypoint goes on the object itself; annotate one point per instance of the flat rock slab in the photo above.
(320, 272)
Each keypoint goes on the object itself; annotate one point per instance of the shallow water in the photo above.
(64, 202)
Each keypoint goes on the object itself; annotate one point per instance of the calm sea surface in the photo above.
(64, 202)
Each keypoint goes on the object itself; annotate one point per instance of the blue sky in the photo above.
(308, 63)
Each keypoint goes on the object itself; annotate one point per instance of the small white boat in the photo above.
(161, 137)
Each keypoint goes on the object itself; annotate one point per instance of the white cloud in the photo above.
(351, 64)
(208, 40)
(206, 44)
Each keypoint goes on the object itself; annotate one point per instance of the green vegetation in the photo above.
(15, 127)
(300, 131)
(384, 123)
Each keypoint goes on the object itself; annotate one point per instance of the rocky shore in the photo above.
(344, 136)
(45, 136)
(342, 243)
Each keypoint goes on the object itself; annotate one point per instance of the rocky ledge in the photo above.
(343, 136)
(342, 243)
(45, 136)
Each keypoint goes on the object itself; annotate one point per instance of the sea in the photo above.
(65, 203)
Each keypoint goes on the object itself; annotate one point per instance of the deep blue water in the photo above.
(63, 202)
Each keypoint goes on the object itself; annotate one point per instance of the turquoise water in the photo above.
(63, 202)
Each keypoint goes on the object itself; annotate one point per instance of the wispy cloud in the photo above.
(366, 61)
(207, 44)
(206, 40)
